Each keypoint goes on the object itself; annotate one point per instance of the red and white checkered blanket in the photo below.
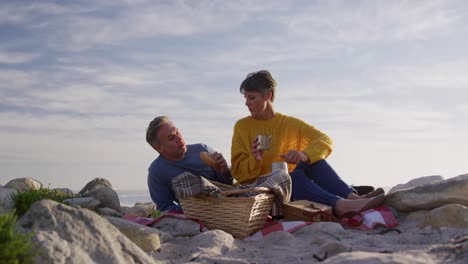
(370, 218)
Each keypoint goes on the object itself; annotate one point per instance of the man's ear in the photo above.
(156, 146)
(269, 95)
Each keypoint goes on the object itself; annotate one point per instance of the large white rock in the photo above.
(177, 227)
(24, 184)
(70, 235)
(146, 238)
(212, 242)
(406, 257)
(417, 182)
(430, 196)
(450, 215)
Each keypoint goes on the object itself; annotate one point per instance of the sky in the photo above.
(81, 80)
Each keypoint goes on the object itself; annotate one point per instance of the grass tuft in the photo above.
(155, 213)
(23, 200)
(15, 247)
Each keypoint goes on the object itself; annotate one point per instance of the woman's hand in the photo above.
(222, 164)
(256, 152)
(295, 157)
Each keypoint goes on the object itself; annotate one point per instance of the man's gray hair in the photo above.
(153, 128)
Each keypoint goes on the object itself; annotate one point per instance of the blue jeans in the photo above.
(318, 182)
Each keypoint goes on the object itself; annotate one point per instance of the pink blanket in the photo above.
(370, 218)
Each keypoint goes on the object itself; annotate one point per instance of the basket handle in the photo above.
(256, 189)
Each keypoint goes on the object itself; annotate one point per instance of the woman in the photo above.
(302, 146)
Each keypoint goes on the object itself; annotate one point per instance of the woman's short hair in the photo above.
(261, 82)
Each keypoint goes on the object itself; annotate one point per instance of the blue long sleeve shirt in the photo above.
(161, 172)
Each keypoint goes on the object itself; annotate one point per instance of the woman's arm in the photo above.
(244, 167)
(319, 146)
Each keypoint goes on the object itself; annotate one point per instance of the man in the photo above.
(175, 157)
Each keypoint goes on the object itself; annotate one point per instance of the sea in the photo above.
(130, 197)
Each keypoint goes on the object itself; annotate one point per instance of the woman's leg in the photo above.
(324, 176)
(304, 188)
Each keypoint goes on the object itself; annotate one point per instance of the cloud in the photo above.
(331, 30)
(398, 107)
(358, 119)
(463, 108)
(14, 80)
(80, 81)
(443, 75)
(334, 23)
(81, 30)
(16, 57)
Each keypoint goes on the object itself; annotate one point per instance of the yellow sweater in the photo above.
(287, 133)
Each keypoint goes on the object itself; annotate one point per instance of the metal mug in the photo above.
(280, 165)
(264, 141)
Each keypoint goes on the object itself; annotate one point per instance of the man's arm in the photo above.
(222, 172)
(224, 178)
(161, 194)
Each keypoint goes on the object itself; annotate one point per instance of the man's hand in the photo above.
(256, 152)
(221, 163)
(295, 157)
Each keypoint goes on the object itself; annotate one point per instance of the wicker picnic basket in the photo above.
(239, 216)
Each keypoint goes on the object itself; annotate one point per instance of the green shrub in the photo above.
(23, 200)
(155, 213)
(15, 247)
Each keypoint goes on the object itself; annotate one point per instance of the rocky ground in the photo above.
(432, 213)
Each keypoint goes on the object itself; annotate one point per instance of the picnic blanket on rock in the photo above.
(188, 185)
(367, 220)
(382, 216)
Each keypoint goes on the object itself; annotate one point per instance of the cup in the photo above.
(264, 141)
(280, 165)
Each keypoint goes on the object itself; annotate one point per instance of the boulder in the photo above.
(107, 196)
(63, 191)
(94, 185)
(333, 248)
(124, 209)
(6, 202)
(70, 235)
(177, 227)
(83, 202)
(24, 184)
(108, 212)
(450, 215)
(206, 244)
(404, 257)
(146, 238)
(430, 196)
(142, 209)
(417, 216)
(417, 182)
